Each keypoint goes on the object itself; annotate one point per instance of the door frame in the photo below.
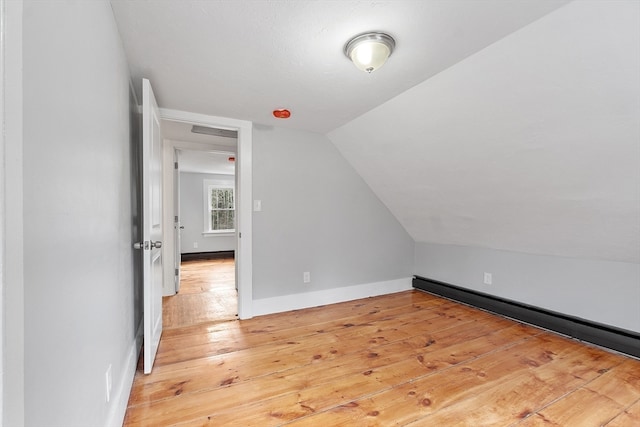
(244, 265)
(176, 226)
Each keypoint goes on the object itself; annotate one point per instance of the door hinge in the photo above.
(175, 165)
(175, 218)
(177, 272)
(240, 235)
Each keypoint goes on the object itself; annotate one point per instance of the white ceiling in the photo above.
(201, 153)
(205, 162)
(179, 131)
(243, 59)
(513, 125)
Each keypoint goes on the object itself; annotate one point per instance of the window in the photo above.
(221, 208)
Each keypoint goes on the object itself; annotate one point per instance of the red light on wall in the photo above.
(232, 159)
(281, 114)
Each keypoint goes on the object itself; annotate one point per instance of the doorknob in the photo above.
(182, 227)
(146, 245)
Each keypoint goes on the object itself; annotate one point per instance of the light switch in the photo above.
(257, 205)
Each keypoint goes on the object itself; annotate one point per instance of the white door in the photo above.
(152, 224)
(176, 219)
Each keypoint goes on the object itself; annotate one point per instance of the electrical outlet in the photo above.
(195, 245)
(488, 278)
(306, 277)
(107, 378)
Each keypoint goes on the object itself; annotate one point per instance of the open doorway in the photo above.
(204, 233)
(207, 152)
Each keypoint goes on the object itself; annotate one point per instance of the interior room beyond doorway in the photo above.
(205, 240)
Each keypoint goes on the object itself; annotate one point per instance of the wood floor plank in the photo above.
(301, 318)
(246, 365)
(404, 359)
(397, 326)
(628, 418)
(598, 402)
(621, 383)
(370, 372)
(580, 408)
(225, 341)
(416, 399)
(517, 396)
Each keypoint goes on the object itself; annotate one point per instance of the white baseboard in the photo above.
(329, 296)
(120, 396)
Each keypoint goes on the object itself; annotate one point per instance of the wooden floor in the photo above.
(207, 294)
(402, 359)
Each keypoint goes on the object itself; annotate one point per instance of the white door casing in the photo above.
(151, 244)
(177, 228)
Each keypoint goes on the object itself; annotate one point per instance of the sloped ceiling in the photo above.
(532, 144)
(245, 58)
(512, 125)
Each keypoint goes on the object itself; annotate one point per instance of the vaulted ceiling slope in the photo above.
(244, 58)
(531, 145)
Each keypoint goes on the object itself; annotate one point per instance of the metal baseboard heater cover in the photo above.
(610, 337)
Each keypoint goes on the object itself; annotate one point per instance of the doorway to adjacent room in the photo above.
(205, 239)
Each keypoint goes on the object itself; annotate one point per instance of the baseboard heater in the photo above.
(617, 339)
(193, 256)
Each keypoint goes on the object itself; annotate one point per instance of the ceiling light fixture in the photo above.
(369, 51)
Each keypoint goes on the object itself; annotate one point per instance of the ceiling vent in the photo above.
(204, 130)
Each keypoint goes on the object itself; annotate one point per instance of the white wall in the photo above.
(82, 306)
(606, 292)
(192, 215)
(319, 216)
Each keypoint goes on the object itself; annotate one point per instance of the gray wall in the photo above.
(12, 270)
(601, 291)
(319, 216)
(192, 215)
(81, 304)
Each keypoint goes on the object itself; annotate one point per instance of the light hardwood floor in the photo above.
(207, 294)
(403, 359)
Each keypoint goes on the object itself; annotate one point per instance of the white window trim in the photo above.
(206, 184)
(218, 233)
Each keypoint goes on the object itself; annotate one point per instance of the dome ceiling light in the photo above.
(369, 51)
